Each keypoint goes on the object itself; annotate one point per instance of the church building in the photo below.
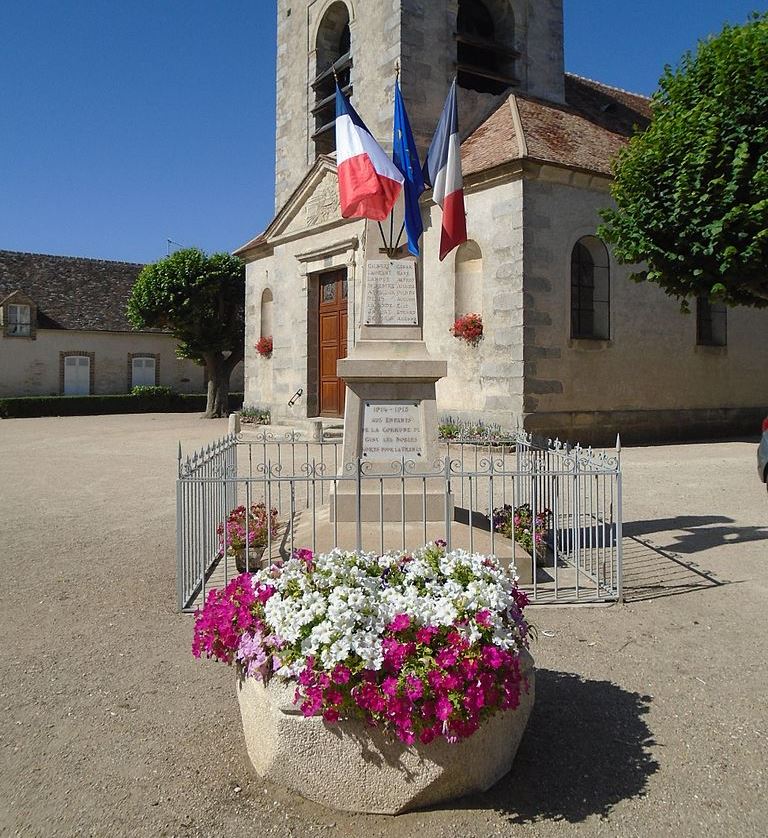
(571, 345)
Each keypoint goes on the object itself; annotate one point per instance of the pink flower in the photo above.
(425, 635)
(446, 658)
(265, 593)
(492, 656)
(389, 686)
(401, 622)
(341, 674)
(331, 714)
(414, 688)
(443, 707)
(483, 618)
(333, 697)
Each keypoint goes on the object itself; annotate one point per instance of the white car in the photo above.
(762, 454)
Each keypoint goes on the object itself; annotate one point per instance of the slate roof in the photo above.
(70, 292)
(587, 132)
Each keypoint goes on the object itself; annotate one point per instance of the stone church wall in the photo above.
(484, 382)
(650, 380)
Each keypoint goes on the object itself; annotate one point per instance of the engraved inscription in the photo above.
(392, 430)
(390, 296)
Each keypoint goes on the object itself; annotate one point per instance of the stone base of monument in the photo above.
(419, 501)
(355, 768)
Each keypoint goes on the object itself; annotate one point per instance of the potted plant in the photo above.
(526, 529)
(377, 683)
(468, 328)
(264, 347)
(236, 531)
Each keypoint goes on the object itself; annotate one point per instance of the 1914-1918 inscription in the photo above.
(391, 430)
(390, 297)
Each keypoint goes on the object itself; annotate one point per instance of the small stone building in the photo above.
(571, 345)
(64, 331)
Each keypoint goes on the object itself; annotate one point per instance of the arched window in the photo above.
(468, 296)
(590, 290)
(333, 52)
(485, 40)
(266, 313)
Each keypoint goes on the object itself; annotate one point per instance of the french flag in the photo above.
(442, 171)
(369, 182)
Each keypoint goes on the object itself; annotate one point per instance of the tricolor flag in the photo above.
(369, 182)
(406, 157)
(442, 171)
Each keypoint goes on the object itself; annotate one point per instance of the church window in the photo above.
(485, 37)
(711, 323)
(266, 313)
(468, 298)
(333, 53)
(590, 290)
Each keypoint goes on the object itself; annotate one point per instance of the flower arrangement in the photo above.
(264, 347)
(423, 645)
(233, 534)
(469, 328)
(519, 524)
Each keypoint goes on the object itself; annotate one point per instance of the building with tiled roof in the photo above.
(65, 331)
(571, 346)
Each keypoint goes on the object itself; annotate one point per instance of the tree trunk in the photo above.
(217, 406)
(219, 371)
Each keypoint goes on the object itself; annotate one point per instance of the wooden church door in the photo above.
(333, 341)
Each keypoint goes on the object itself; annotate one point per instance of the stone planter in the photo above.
(353, 767)
(254, 559)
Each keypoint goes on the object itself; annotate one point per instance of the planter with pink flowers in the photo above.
(377, 683)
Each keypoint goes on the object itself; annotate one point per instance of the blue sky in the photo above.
(124, 124)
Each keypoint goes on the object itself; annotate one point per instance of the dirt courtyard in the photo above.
(651, 718)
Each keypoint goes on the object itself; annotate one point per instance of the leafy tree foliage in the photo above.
(692, 190)
(201, 300)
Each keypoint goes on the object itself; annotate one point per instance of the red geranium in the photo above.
(264, 347)
(469, 328)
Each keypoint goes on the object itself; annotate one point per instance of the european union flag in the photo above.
(406, 158)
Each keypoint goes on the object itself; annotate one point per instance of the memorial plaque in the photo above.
(392, 430)
(390, 293)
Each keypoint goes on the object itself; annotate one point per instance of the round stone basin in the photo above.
(356, 768)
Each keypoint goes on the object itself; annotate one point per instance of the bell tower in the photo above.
(494, 47)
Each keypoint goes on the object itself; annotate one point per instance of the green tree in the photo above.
(692, 190)
(201, 300)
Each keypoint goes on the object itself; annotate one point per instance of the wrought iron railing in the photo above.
(322, 502)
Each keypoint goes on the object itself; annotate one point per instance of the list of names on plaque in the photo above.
(390, 296)
(391, 430)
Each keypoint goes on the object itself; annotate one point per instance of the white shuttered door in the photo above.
(143, 372)
(77, 375)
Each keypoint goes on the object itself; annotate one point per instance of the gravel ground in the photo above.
(650, 717)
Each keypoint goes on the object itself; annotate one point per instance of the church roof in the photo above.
(71, 292)
(586, 132)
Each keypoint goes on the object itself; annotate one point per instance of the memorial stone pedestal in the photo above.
(390, 421)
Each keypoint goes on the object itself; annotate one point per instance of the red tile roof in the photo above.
(586, 132)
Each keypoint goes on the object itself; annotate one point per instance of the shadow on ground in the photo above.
(587, 747)
(693, 534)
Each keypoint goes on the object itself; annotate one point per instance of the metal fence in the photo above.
(321, 503)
